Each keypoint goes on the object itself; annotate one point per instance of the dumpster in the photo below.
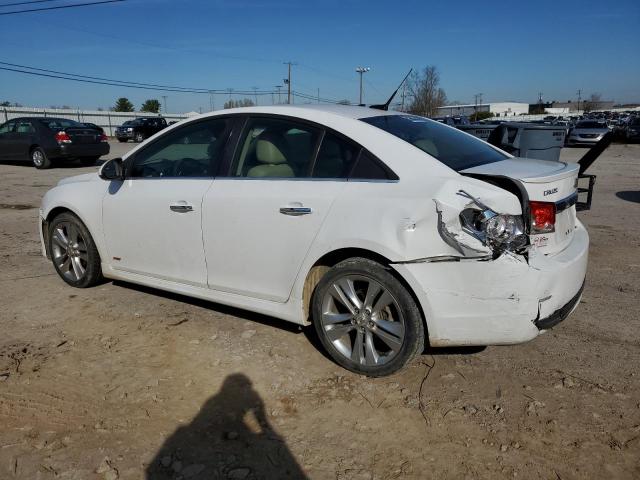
(526, 140)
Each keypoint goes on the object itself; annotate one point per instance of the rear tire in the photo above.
(139, 137)
(73, 251)
(366, 319)
(39, 158)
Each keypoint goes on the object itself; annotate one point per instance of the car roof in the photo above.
(355, 112)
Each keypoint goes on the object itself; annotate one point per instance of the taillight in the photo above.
(63, 137)
(103, 138)
(543, 217)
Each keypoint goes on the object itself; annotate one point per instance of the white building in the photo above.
(499, 109)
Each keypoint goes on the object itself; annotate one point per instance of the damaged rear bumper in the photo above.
(498, 302)
(559, 315)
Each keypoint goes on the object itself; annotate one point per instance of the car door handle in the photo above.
(181, 208)
(295, 211)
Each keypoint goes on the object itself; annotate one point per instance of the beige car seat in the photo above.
(271, 153)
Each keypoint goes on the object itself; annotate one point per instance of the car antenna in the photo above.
(385, 106)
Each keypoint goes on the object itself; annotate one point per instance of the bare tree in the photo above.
(424, 88)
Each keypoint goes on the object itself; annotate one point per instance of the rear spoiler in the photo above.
(585, 162)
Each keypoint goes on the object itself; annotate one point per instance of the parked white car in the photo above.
(382, 229)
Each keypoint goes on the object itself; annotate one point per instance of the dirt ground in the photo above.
(125, 382)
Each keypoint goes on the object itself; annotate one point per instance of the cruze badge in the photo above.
(550, 192)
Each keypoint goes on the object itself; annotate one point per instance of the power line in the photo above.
(26, 3)
(88, 4)
(113, 82)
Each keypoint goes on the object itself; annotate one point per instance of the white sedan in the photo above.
(383, 230)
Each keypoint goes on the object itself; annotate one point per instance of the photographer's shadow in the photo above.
(229, 438)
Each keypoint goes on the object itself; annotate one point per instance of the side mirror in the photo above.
(112, 170)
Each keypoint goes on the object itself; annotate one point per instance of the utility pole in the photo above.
(164, 99)
(579, 98)
(278, 87)
(255, 93)
(478, 101)
(318, 95)
(361, 70)
(288, 80)
(211, 101)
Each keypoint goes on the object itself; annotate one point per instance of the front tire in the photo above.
(367, 321)
(73, 251)
(39, 158)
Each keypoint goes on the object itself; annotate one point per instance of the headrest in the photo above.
(427, 145)
(271, 148)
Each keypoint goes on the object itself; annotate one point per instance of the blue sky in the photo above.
(508, 50)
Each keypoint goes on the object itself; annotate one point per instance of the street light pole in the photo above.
(361, 70)
(164, 98)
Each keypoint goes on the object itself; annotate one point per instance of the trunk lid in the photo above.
(543, 181)
(83, 135)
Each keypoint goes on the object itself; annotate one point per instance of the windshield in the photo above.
(590, 125)
(455, 149)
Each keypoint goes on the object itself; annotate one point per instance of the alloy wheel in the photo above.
(38, 158)
(69, 251)
(362, 320)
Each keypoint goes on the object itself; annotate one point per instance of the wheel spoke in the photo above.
(371, 355)
(66, 263)
(393, 342)
(384, 300)
(346, 285)
(373, 290)
(337, 293)
(78, 269)
(357, 352)
(332, 318)
(73, 233)
(394, 328)
(60, 238)
(336, 332)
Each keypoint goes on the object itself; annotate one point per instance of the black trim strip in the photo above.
(559, 315)
(568, 202)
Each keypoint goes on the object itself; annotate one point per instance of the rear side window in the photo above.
(25, 127)
(369, 168)
(335, 158)
(275, 148)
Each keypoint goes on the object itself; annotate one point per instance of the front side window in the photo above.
(455, 149)
(7, 127)
(274, 148)
(194, 150)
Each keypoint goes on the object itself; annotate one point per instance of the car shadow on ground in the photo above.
(210, 305)
(629, 195)
(230, 437)
(55, 163)
(308, 331)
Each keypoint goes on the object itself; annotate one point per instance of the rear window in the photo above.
(455, 149)
(58, 123)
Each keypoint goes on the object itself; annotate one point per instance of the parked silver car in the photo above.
(587, 132)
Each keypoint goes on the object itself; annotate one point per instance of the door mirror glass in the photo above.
(112, 170)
